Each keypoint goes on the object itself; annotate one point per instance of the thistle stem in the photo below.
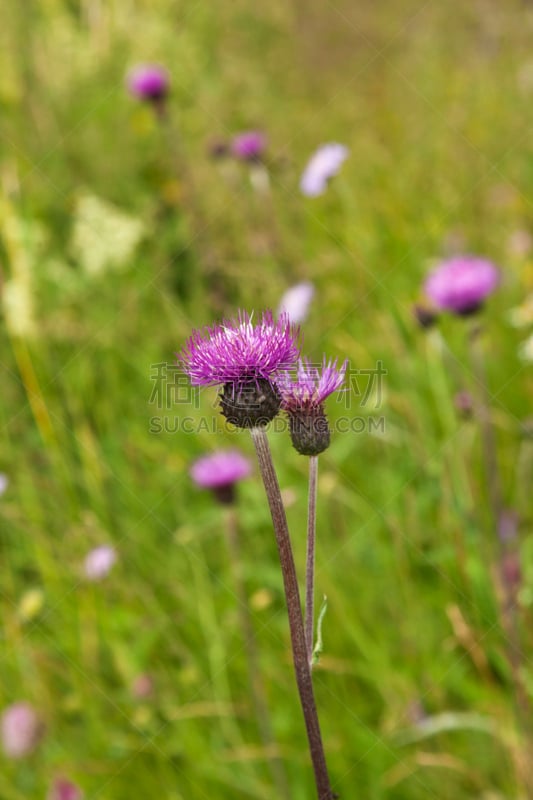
(310, 559)
(294, 609)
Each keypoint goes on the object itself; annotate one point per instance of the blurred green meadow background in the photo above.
(119, 233)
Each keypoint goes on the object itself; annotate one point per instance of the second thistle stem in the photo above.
(310, 559)
(294, 609)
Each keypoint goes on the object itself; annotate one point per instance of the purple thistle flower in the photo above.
(245, 358)
(462, 283)
(220, 471)
(148, 82)
(249, 146)
(312, 385)
(303, 400)
(20, 730)
(323, 165)
(296, 301)
(238, 350)
(99, 562)
(63, 789)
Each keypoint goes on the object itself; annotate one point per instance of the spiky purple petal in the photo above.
(312, 385)
(237, 350)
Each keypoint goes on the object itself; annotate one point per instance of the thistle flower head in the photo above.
(312, 385)
(461, 284)
(148, 82)
(249, 146)
(246, 359)
(239, 350)
(303, 400)
(221, 471)
(63, 789)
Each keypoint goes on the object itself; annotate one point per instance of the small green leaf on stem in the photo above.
(317, 650)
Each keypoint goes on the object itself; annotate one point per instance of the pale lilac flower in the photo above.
(148, 82)
(4, 483)
(303, 400)
(323, 165)
(99, 562)
(238, 350)
(222, 468)
(461, 284)
(296, 301)
(249, 146)
(20, 730)
(63, 789)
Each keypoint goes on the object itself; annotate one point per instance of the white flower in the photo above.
(526, 349)
(296, 301)
(324, 164)
(98, 562)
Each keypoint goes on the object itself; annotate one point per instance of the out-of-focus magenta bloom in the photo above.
(99, 562)
(238, 350)
(148, 82)
(220, 472)
(63, 789)
(312, 386)
(323, 165)
(143, 686)
(20, 729)
(249, 146)
(222, 468)
(296, 301)
(4, 483)
(461, 284)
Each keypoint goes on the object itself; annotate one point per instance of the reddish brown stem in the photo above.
(294, 609)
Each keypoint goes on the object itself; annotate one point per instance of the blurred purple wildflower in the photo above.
(221, 468)
(20, 730)
(312, 386)
(143, 686)
(238, 350)
(464, 403)
(462, 283)
(148, 82)
(249, 146)
(4, 483)
(63, 789)
(296, 301)
(323, 165)
(99, 562)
